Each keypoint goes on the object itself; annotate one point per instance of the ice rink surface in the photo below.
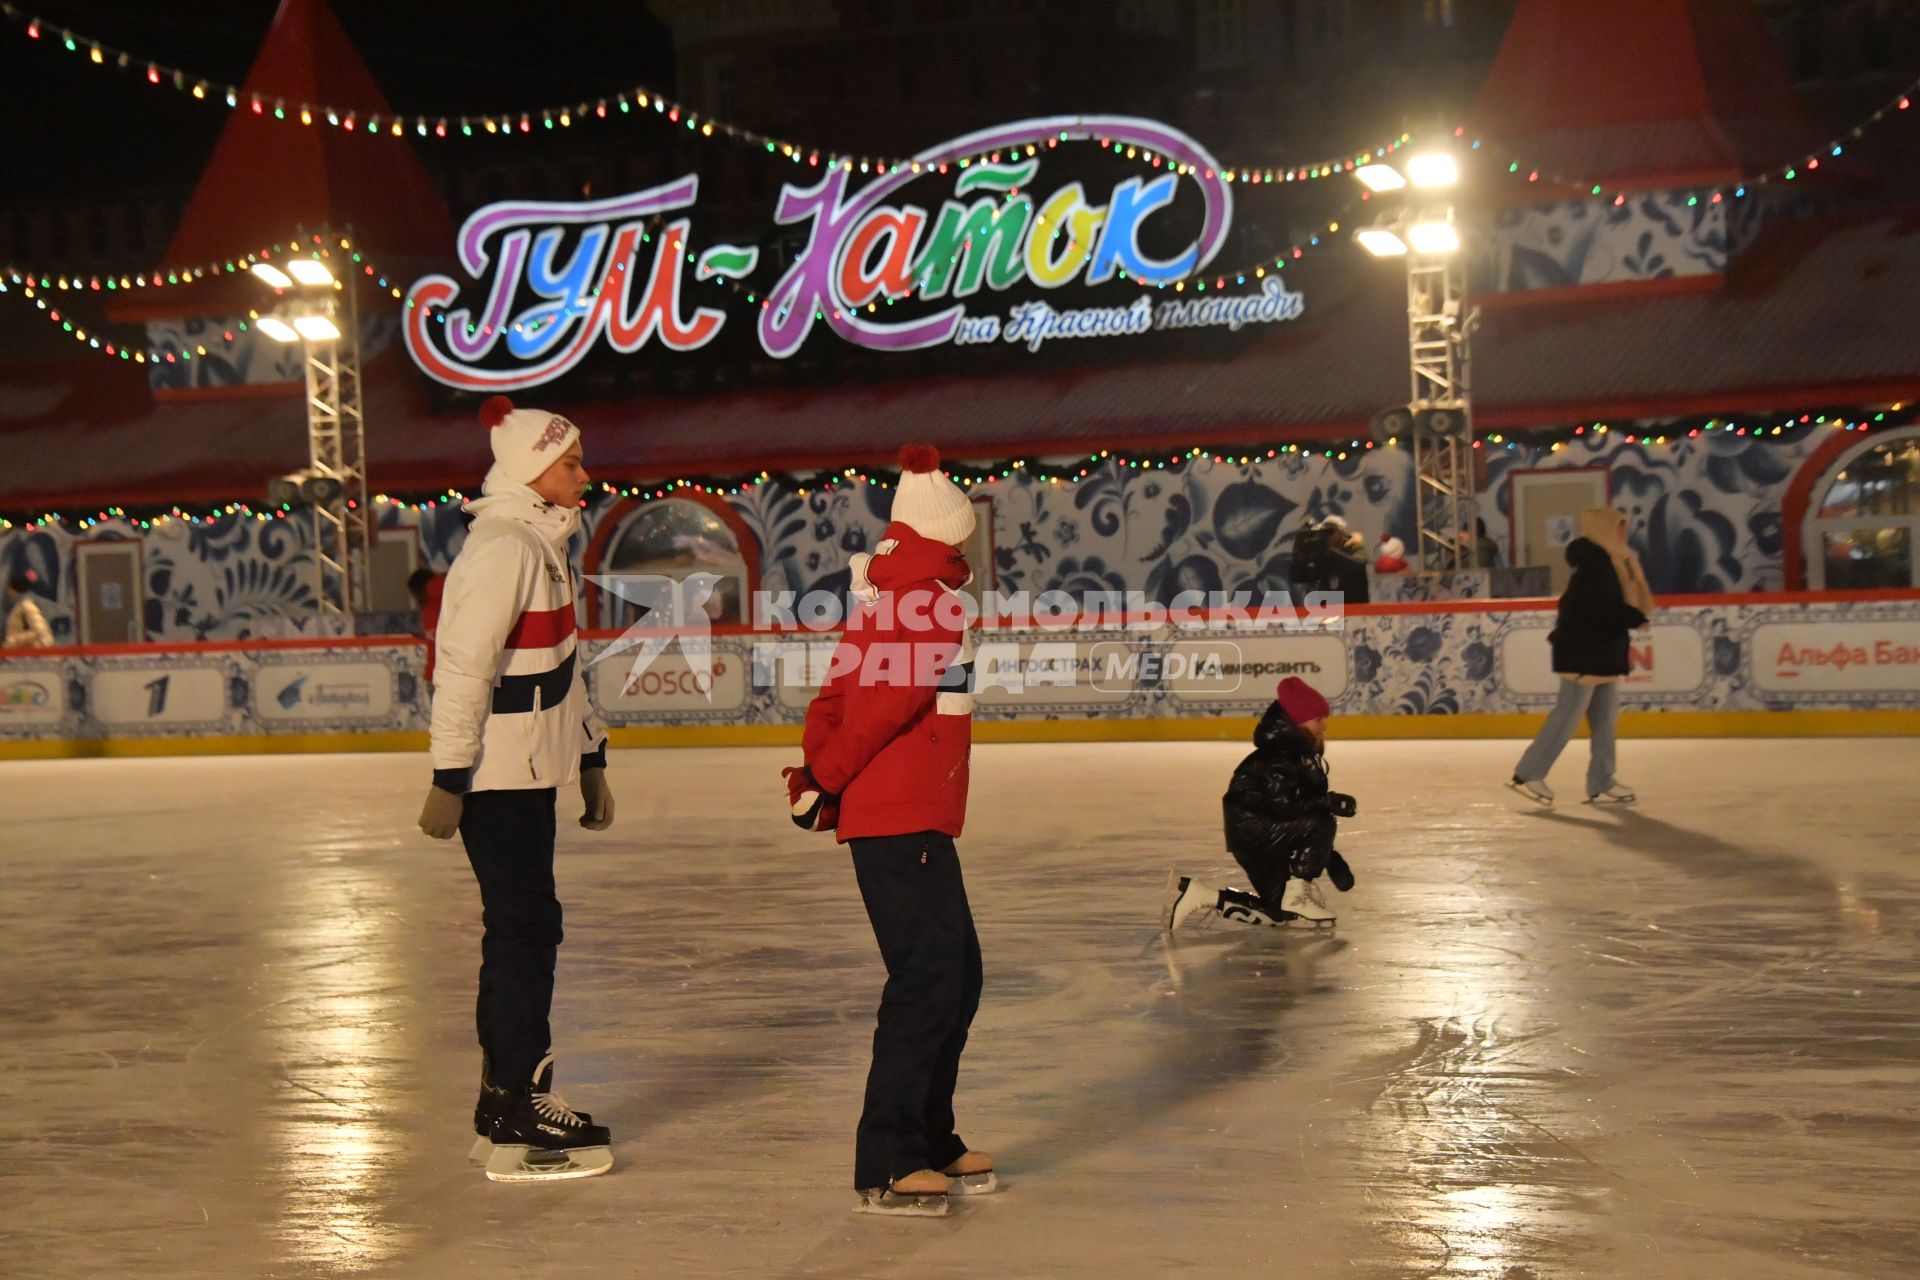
(1677, 1041)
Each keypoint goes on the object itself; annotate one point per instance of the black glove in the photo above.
(1341, 805)
(1339, 872)
(812, 808)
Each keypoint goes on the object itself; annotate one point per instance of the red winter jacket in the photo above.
(891, 730)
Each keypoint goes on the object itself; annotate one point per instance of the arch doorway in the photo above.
(673, 537)
(1864, 520)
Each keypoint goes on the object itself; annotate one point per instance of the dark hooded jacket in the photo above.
(1595, 620)
(1278, 797)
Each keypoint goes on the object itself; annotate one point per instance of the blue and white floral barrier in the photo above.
(1391, 663)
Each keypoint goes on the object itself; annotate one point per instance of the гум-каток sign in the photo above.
(557, 279)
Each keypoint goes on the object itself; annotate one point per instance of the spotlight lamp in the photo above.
(1381, 243)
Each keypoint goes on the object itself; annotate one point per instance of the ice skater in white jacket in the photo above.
(511, 724)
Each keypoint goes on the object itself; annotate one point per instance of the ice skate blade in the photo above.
(893, 1205)
(537, 1164)
(1300, 924)
(482, 1149)
(1607, 802)
(973, 1184)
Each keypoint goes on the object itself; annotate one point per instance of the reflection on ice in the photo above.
(1663, 1043)
(340, 1128)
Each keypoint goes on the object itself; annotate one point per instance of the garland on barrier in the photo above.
(971, 476)
(637, 99)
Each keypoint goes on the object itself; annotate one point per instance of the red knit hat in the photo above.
(1300, 700)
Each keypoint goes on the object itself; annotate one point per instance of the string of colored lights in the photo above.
(1552, 440)
(1737, 188)
(30, 286)
(447, 125)
(638, 99)
(96, 281)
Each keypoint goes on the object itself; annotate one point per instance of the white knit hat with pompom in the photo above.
(525, 441)
(927, 502)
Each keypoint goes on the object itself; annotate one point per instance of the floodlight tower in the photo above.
(322, 314)
(1423, 231)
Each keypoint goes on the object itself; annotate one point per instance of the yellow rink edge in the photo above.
(1836, 723)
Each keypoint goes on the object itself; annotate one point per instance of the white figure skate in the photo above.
(1537, 791)
(1188, 901)
(1302, 902)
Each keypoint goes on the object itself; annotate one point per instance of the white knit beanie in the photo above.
(525, 441)
(927, 502)
(1391, 546)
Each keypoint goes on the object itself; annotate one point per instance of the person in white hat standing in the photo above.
(512, 723)
(887, 743)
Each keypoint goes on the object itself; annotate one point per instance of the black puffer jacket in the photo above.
(1590, 636)
(1276, 804)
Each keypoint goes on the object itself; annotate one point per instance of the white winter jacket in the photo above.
(510, 706)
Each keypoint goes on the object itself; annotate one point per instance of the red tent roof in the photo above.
(1649, 93)
(269, 176)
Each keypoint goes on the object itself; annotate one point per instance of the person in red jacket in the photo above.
(887, 743)
(426, 587)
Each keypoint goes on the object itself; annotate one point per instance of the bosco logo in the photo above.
(654, 683)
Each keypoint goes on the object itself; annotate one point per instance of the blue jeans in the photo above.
(1600, 703)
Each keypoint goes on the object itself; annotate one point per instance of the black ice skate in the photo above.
(537, 1137)
(1242, 907)
(491, 1102)
(922, 1194)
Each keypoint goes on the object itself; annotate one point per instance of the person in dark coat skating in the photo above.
(1281, 817)
(1605, 600)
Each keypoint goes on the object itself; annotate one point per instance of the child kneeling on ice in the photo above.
(887, 744)
(1280, 820)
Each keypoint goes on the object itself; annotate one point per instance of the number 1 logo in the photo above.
(157, 696)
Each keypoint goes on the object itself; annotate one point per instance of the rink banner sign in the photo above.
(898, 260)
(1666, 663)
(1709, 658)
(324, 693)
(1249, 668)
(671, 683)
(1796, 658)
(137, 697)
(31, 696)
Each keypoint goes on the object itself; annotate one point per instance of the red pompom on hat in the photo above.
(919, 459)
(927, 502)
(494, 410)
(1301, 701)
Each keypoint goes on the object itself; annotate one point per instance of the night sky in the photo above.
(75, 129)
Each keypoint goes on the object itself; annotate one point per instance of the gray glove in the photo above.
(440, 816)
(599, 800)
